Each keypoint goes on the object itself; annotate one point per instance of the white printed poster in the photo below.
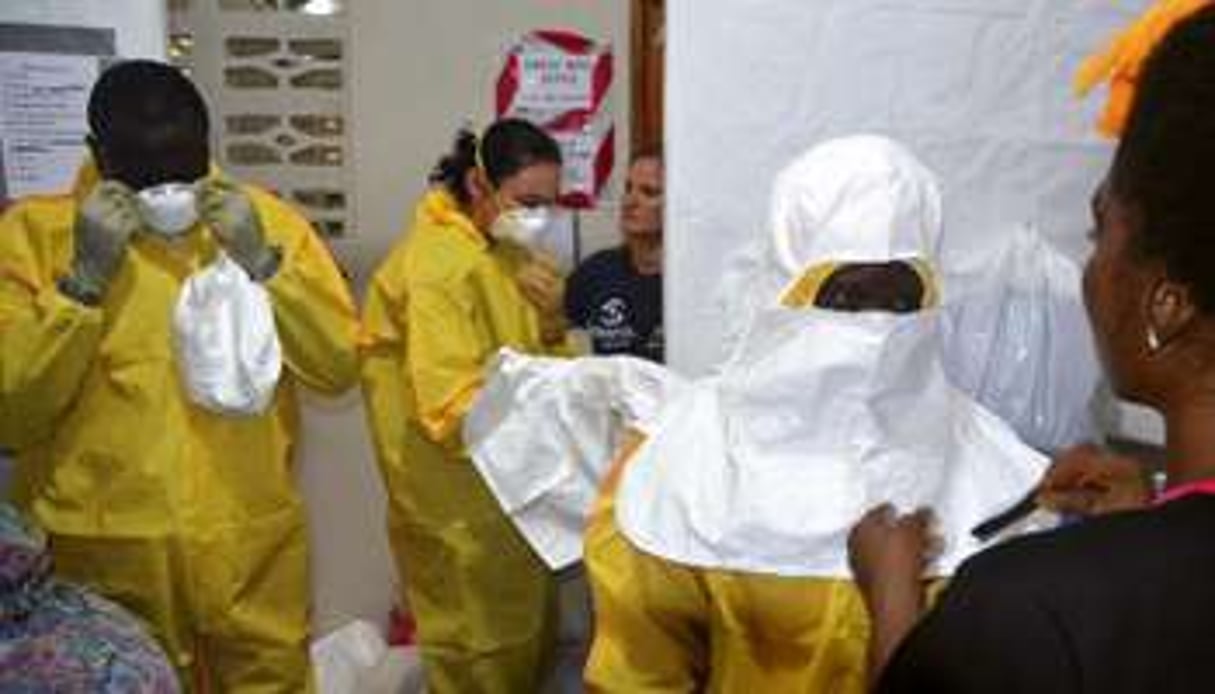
(561, 81)
(550, 80)
(43, 100)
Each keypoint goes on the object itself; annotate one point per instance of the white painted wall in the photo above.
(979, 88)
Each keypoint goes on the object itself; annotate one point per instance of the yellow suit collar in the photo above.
(441, 208)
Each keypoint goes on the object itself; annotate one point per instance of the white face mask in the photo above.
(169, 209)
(523, 225)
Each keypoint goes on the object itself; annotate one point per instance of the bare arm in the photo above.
(888, 554)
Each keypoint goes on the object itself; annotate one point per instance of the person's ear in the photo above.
(1170, 311)
(477, 185)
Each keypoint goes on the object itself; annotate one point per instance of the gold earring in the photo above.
(1153, 340)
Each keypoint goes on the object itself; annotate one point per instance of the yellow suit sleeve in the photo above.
(315, 314)
(384, 388)
(445, 357)
(48, 342)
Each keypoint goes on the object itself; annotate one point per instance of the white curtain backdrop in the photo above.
(980, 89)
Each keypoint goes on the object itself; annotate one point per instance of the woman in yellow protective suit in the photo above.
(453, 292)
(186, 516)
(717, 554)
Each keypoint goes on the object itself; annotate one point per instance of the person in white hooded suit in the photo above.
(717, 552)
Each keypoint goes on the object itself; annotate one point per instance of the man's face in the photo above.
(641, 208)
(146, 157)
(887, 287)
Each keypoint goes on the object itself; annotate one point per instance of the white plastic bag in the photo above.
(1018, 341)
(543, 433)
(345, 657)
(228, 353)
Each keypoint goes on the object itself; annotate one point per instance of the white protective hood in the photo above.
(819, 416)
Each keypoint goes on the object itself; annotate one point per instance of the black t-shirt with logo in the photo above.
(620, 309)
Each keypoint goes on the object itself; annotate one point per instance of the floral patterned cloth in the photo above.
(56, 637)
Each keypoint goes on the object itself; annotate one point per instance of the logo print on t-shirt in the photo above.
(613, 313)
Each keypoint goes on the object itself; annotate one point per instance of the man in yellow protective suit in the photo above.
(186, 516)
(455, 290)
(717, 553)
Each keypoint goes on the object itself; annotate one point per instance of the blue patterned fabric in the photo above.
(56, 637)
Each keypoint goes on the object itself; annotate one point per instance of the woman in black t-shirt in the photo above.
(1124, 602)
(616, 294)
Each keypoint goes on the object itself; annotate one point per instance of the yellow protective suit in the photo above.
(665, 627)
(438, 309)
(188, 518)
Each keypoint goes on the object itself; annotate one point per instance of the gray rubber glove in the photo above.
(230, 214)
(104, 225)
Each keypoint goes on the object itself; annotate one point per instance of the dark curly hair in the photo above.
(507, 147)
(1164, 169)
